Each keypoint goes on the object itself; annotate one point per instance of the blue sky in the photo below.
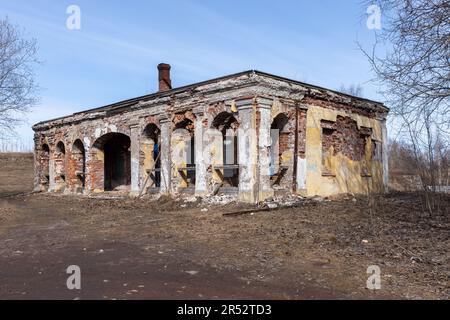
(114, 55)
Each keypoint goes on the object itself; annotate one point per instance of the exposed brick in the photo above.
(81, 167)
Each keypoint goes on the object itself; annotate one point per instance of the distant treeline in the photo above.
(17, 145)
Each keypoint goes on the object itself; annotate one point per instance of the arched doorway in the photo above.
(183, 154)
(150, 157)
(116, 161)
(280, 141)
(60, 166)
(79, 166)
(44, 162)
(227, 154)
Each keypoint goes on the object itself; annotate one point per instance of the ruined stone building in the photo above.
(327, 142)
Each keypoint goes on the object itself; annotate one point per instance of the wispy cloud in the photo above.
(114, 55)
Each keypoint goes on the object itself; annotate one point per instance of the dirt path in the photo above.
(142, 249)
(126, 255)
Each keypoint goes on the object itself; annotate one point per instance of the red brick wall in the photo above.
(345, 137)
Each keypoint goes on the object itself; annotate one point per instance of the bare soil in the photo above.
(172, 249)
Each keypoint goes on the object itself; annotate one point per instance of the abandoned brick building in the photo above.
(327, 142)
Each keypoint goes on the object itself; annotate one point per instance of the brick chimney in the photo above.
(164, 77)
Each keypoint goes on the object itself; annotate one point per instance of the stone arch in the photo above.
(111, 162)
(183, 119)
(225, 120)
(60, 147)
(214, 110)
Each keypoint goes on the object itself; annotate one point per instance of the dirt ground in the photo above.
(168, 249)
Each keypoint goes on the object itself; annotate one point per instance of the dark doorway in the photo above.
(79, 161)
(279, 144)
(60, 164)
(44, 160)
(227, 124)
(150, 149)
(117, 161)
(186, 129)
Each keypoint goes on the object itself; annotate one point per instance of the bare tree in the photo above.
(353, 90)
(413, 68)
(415, 71)
(17, 84)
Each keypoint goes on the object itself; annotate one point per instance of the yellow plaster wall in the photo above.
(147, 149)
(347, 172)
(216, 153)
(179, 158)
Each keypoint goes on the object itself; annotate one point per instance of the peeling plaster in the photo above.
(255, 100)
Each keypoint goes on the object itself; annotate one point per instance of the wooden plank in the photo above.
(148, 176)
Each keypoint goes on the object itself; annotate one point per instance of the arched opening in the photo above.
(183, 156)
(115, 149)
(280, 144)
(44, 163)
(226, 149)
(79, 166)
(60, 166)
(150, 157)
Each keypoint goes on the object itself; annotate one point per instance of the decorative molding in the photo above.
(245, 103)
(264, 102)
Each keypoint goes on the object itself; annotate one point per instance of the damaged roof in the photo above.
(174, 91)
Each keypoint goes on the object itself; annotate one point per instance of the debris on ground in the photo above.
(221, 199)
(295, 247)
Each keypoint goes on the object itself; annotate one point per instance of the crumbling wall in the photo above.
(344, 136)
(340, 149)
(254, 101)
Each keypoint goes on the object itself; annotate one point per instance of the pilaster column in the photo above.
(301, 162)
(166, 171)
(51, 171)
(134, 149)
(89, 186)
(264, 145)
(37, 165)
(201, 161)
(248, 151)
